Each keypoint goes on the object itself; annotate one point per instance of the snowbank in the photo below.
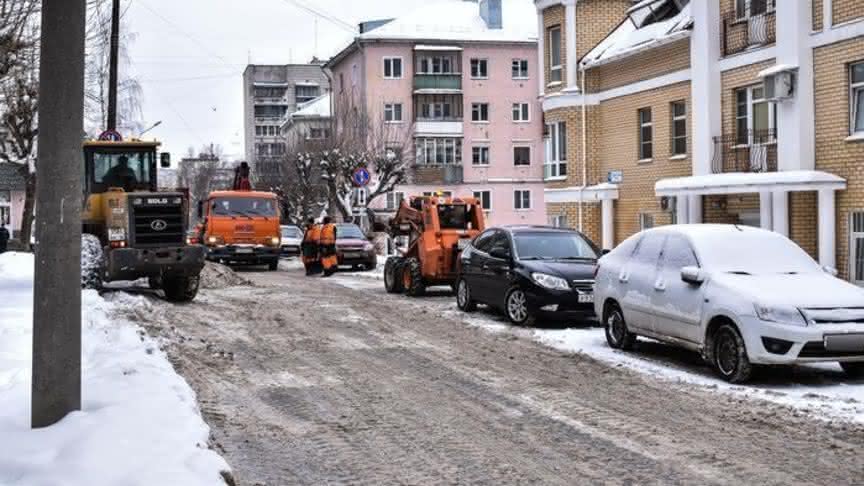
(139, 424)
(218, 276)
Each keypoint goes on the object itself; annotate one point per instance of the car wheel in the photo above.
(516, 307)
(463, 297)
(617, 335)
(273, 266)
(730, 355)
(412, 277)
(853, 370)
(393, 275)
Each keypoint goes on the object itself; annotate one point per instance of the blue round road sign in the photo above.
(361, 176)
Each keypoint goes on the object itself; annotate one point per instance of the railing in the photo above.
(753, 151)
(438, 81)
(437, 174)
(741, 32)
(422, 119)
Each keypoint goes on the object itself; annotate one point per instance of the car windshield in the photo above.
(453, 216)
(244, 206)
(291, 232)
(349, 231)
(751, 252)
(553, 246)
(122, 169)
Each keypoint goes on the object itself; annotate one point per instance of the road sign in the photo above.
(361, 176)
(110, 136)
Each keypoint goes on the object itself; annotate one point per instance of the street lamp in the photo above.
(151, 128)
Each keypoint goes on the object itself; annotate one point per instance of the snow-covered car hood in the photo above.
(809, 290)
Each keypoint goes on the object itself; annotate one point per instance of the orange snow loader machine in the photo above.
(437, 229)
(241, 226)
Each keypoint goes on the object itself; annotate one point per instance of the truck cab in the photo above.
(241, 227)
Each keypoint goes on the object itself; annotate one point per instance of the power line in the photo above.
(328, 17)
(186, 34)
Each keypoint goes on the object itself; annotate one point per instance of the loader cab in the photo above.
(130, 166)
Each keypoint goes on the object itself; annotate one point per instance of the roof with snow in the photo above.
(649, 23)
(317, 108)
(12, 177)
(746, 182)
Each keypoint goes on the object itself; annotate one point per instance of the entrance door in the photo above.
(856, 248)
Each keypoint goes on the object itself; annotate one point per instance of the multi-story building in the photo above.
(456, 84)
(734, 111)
(311, 123)
(270, 94)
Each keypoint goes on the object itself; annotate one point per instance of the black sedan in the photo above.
(529, 272)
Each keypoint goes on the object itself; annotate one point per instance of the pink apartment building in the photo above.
(455, 81)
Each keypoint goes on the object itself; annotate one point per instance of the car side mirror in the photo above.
(499, 253)
(200, 209)
(165, 160)
(692, 275)
(830, 270)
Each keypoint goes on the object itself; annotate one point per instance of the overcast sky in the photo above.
(190, 54)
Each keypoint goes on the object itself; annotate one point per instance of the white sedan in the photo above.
(738, 295)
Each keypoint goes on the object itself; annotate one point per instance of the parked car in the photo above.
(353, 248)
(292, 237)
(529, 272)
(741, 296)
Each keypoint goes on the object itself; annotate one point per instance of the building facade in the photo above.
(12, 194)
(727, 111)
(270, 94)
(459, 102)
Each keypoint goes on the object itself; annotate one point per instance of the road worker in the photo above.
(329, 259)
(309, 247)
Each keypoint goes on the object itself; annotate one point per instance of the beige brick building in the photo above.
(729, 111)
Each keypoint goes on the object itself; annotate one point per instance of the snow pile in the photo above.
(218, 276)
(139, 424)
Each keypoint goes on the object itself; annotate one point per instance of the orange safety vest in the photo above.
(328, 235)
(313, 234)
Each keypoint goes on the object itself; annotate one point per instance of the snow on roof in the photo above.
(777, 68)
(738, 182)
(459, 20)
(270, 84)
(424, 47)
(627, 39)
(319, 107)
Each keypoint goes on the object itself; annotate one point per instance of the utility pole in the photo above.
(57, 290)
(112, 65)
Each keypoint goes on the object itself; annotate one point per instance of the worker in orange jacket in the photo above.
(327, 247)
(309, 247)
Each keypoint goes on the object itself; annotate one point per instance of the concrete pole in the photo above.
(57, 290)
(572, 55)
(694, 209)
(765, 211)
(705, 87)
(827, 228)
(112, 65)
(780, 209)
(681, 209)
(608, 222)
(541, 54)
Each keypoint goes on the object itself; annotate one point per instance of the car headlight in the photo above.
(275, 241)
(550, 281)
(368, 247)
(781, 314)
(214, 240)
(116, 234)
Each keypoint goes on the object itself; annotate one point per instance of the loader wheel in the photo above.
(393, 275)
(155, 283)
(180, 288)
(412, 278)
(92, 258)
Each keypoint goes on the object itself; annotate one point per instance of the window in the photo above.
(438, 64)
(319, 133)
(521, 155)
(439, 151)
(485, 198)
(480, 112)
(521, 112)
(856, 251)
(520, 68)
(444, 194)
(646, 134)
(479, 68)
(302, 94)
(555, 71)
(749, 8)
(679, 127)
(258, 130)
(856, 97)
(393, 112)
(755, 117)
(394, 199)
(484, 241)
(269, 92)
(392, 68)
(649, 248)
(500, 242)
(646, 221)
(555, 165)
(522, 200)
(480, 155)
(558, 221)
(678, 254)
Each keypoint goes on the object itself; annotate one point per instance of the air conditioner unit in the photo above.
(779, 84)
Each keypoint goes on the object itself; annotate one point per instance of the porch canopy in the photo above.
(606, 193)
(773, 189)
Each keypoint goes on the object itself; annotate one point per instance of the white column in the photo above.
(765, 211)
(827, 228)
(608, 223)
(705, 85)
(572, 56)
(796, 139)
(780, 210)
(681, 209)
(541, 53)
(694, 207)
(827, 14)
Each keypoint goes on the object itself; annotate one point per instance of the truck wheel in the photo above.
(853, 370)
(92, 258)
(180, 288)
(392, 275)
(412, 277)
(155, 283)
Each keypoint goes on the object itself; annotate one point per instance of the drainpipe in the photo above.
(584, 144)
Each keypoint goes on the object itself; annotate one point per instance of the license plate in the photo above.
(844, 343)
(463, 243)
(243, 250)
(586, 298)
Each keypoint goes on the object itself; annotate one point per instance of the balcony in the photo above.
(754, 28)
(437, 174)
(754, 151)
(444, 126)
(437, 83)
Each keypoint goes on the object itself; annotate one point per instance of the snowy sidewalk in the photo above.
(140, 422)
